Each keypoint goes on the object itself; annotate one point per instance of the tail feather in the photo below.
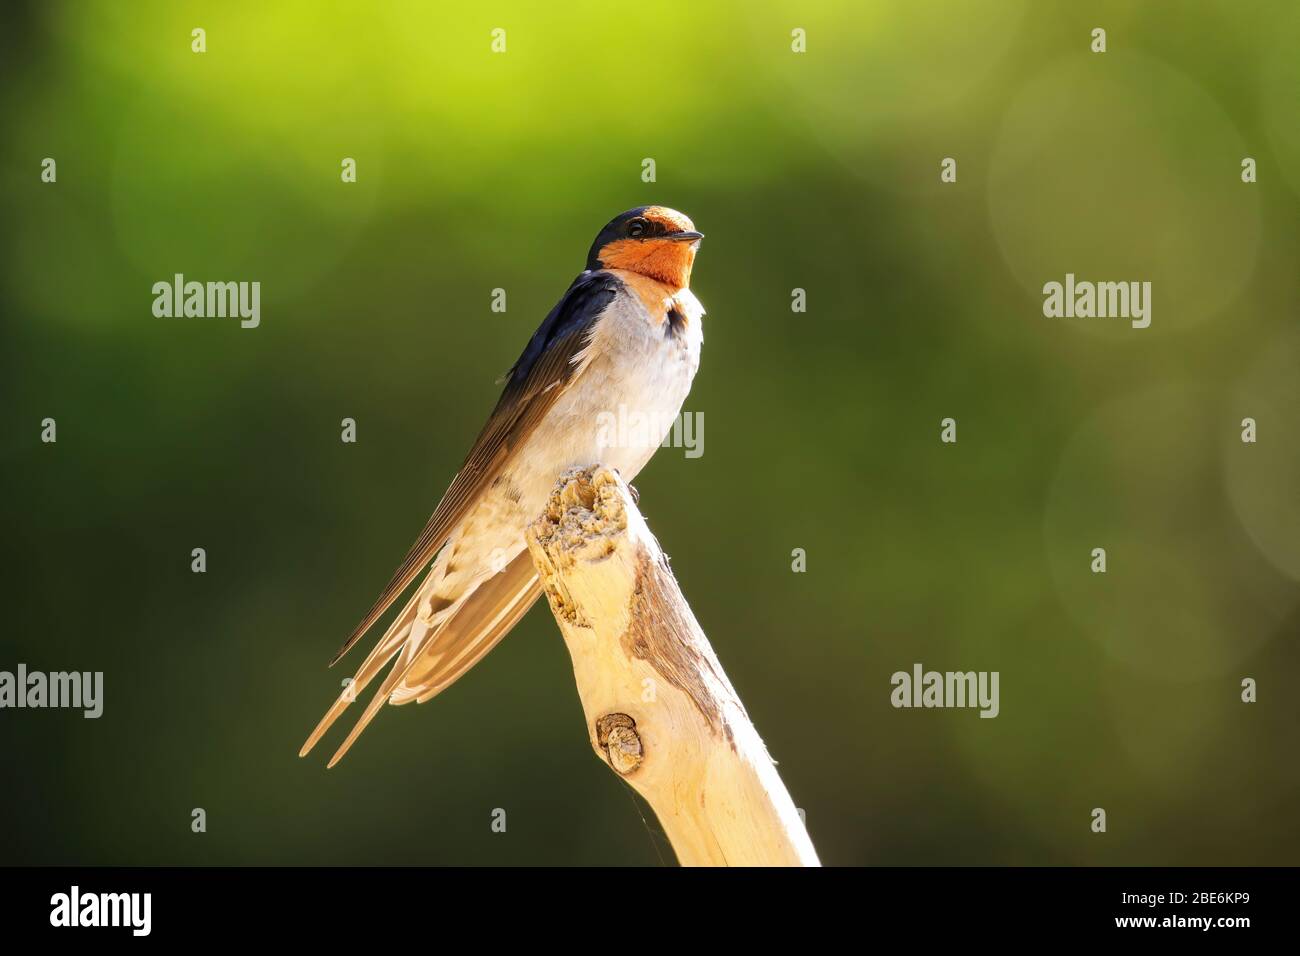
(431, 655)
(375, 661)
(421, 636)
(478, 626)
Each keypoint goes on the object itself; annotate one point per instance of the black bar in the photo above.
(381, 905)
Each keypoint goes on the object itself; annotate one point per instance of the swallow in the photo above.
(626, 334)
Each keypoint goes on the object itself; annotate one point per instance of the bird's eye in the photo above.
(637, 228)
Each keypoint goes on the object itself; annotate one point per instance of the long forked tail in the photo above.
(432, 657)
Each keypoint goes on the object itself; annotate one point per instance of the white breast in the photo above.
(634, 377)
(631, 384)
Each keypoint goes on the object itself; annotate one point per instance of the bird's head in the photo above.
(654, 241)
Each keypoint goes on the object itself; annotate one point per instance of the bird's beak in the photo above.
(684, 236)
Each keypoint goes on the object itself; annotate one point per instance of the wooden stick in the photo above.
(660, 710)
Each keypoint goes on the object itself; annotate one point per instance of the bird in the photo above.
(623, 341)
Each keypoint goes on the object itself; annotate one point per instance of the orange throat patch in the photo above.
(664, 260)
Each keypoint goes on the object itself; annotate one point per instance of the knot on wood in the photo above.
(618, 740)
(583, 515)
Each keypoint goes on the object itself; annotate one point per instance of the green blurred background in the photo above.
(819, 171)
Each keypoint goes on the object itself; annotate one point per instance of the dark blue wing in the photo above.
(579, 307)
